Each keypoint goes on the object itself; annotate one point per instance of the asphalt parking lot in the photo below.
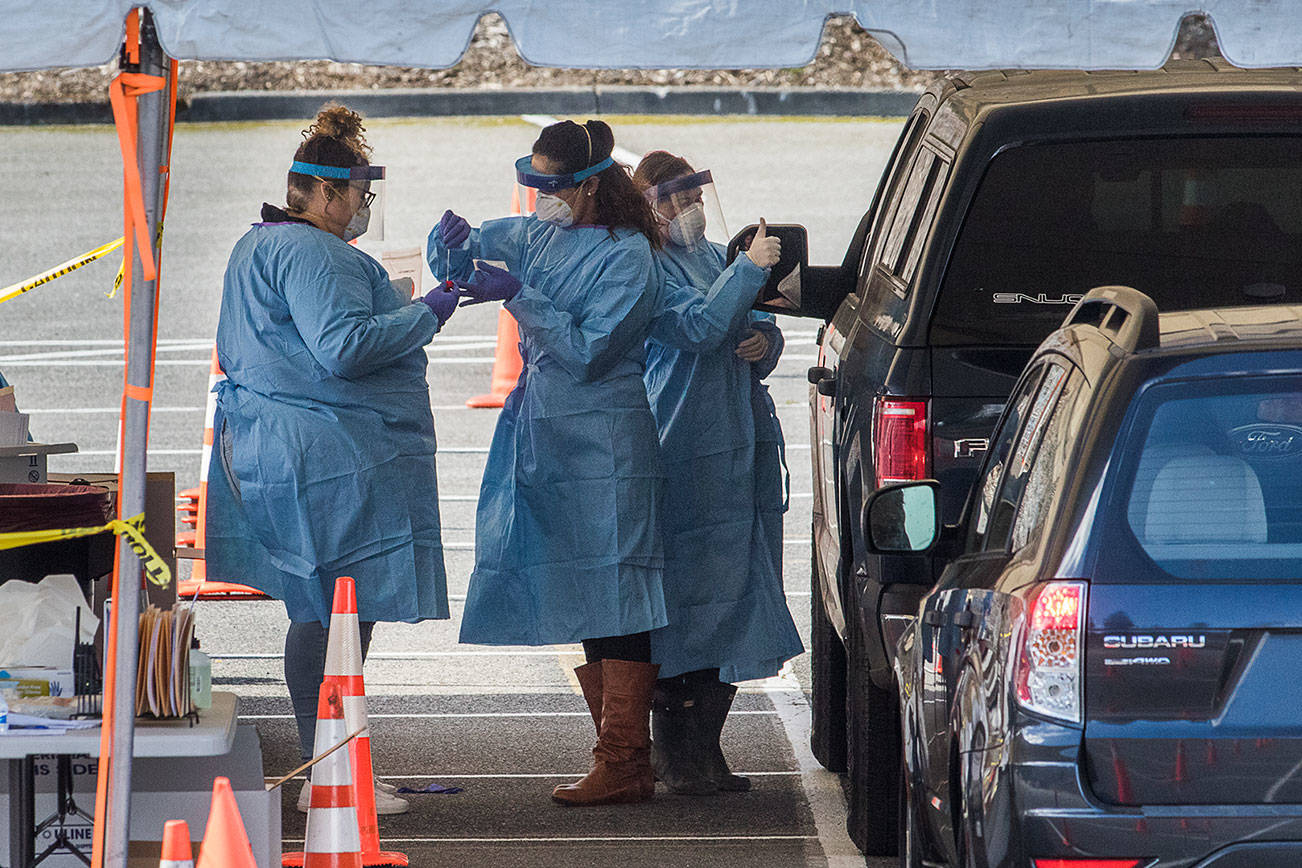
(504, 724)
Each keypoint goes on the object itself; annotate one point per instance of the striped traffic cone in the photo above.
(331, 839)
(343, 666)
(176, 845)
(225, 843)
(507, 363)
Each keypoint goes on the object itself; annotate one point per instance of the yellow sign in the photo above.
(17, 289)
(155, 567)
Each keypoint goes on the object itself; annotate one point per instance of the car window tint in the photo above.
(1007, 498)
(884, 200)
(1048, 465)
(1215, 489)
(1001, 446)
(911, 250)
(909, 210)
(1192, 221)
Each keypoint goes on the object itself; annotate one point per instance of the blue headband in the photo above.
(338, 173)
(525, 174)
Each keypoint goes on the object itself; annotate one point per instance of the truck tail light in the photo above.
(1051, 657)
(900, 440)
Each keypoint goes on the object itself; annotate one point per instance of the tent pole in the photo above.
(153, 123)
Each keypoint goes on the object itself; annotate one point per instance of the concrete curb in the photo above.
(438, 102)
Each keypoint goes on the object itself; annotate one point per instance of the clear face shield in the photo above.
(689, 209)
(365, 195)
(536, 192)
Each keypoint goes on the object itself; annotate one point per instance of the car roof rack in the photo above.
(1125, 315)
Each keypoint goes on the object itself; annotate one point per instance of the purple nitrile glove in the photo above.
(489, 283)
(442, 302)
(453, 230)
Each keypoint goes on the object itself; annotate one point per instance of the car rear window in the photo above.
(1213, 487)
(1190, 221)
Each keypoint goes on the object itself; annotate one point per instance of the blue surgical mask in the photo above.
(553, 209)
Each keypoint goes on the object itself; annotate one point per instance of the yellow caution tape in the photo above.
(155, 567)
(17, 289)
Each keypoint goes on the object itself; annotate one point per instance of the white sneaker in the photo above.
(389, 803)
(385, 802)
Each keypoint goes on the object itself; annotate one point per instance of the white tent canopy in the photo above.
(718, 34)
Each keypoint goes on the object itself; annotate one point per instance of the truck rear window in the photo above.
(1191, 221)
(1214, 485)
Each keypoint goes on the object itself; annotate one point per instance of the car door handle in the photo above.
(933, 618)
(816, 375)
(965, 620)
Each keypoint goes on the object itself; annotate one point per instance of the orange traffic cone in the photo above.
(507, 363)
(331, 839)
(343, 666)
(176, 845)
(225, 843)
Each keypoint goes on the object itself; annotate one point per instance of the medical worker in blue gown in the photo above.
(722, 450)
(567, 538)
(324, 465)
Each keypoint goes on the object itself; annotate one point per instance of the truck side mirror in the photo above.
(903, 517)
(782, 294)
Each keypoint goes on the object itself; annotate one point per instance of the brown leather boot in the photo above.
(589, 675)
(621, 770)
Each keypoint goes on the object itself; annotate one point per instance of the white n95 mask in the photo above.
(687, 227)
(358, 224)
(553, 209)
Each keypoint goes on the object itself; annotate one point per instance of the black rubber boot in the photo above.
(676, 739)
(715, 701)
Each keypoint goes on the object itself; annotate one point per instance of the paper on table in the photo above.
(13, 428)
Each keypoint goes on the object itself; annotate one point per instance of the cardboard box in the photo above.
(38, 681)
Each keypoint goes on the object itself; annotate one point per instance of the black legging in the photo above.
(635, 647)
(305, 652)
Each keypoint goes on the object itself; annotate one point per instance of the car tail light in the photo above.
(899, 440)
(1088, 863)
(1051, 659)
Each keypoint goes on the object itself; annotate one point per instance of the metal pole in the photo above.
(151, 154)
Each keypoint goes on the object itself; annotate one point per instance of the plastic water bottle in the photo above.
(200, 677)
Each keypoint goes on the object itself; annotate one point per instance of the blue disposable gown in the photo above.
(567, 532)
(325, 466)
(722, 448)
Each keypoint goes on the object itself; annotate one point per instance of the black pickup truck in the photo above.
(1009, 195)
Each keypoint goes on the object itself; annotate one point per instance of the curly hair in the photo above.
(333, 139)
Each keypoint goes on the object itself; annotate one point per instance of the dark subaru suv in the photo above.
(1008, 197)
(1106, 672)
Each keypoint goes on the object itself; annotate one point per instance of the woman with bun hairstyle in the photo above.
(567, 533)
(324, 465)
(722, 450)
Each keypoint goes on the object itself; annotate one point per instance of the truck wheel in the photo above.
(872, 754)
(827, 702)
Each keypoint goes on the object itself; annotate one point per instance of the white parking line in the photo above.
(602, 839)
(458, 715)
(822, 788)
